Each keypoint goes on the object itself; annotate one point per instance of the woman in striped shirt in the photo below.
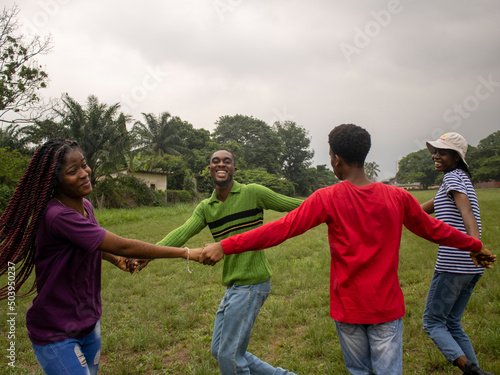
(455, 274)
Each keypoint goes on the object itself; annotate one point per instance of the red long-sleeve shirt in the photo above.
(364, 232)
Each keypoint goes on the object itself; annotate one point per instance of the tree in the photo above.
(120, 151)
(98, 129)
(20, 75)
(295, 157)
(12, 167)
(191, 138)
(371, 170)
(199, 145)
(418, 167)
(265, 179)
(260, 144)
(159, 135)
(317, 178)
(13, 138)
(48, 128)
(484, 161)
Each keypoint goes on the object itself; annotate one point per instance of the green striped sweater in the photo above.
(243, 210)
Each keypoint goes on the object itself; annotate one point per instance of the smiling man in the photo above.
(235, 208)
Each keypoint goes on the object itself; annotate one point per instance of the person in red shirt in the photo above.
(365, 221)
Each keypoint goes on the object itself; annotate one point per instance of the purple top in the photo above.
(68, 275)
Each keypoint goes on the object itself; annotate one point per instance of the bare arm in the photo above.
(465, 209)
(428, 206)
(485, 257)
(128, 248)
(117, 261)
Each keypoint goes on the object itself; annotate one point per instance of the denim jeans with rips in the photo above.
(76, 356)
(232, 329)
(448, 295)
(370, 349)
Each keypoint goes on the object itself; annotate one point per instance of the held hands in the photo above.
(121, 263)
(135, 265)
(483, 258)
(212, 253)
(130, 265)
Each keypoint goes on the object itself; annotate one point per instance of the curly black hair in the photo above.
(351, 143)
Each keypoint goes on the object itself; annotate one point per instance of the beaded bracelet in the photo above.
(187, 260)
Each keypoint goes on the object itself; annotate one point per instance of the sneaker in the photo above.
(473, 369)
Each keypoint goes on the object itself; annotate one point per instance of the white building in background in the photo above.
(156, 180)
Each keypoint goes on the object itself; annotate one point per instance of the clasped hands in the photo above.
(483, 258)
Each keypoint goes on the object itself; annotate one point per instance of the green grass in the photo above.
(160, 320)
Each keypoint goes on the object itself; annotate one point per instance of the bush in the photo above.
(204, 182)
(175, 196)
(12, 167)
(5, 194)
(123, 192)
(270, 181)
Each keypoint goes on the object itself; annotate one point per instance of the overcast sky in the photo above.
(407, 71)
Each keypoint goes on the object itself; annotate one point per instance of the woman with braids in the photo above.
(455, 274)
(49, 225)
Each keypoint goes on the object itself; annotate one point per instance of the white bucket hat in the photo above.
(450, 141)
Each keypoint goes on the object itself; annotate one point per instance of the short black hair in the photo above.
(351, 143)
(224, 149)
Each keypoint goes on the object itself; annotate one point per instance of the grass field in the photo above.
(160, 320)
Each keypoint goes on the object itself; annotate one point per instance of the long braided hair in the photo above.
(24, 212)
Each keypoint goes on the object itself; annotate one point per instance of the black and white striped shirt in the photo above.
(451, 259)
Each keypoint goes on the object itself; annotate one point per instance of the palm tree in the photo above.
(159, 135)
(371, 170)
(97, 128)
(13, 138)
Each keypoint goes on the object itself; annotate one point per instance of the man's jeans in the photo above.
(447, 298)
(78, 356)
(372, 348)
(233, 325)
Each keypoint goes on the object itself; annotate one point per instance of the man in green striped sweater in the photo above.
(235, 208)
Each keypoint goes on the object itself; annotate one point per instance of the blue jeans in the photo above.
(447, 298)
(233, 325)
(78, 356)
(372, 348)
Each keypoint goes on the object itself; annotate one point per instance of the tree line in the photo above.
(278, 156)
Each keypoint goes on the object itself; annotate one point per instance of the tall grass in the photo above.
(160, 320)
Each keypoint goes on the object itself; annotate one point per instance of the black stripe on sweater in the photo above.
(237, 227)
(237, 216)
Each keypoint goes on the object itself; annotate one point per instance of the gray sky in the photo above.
(407, 71)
